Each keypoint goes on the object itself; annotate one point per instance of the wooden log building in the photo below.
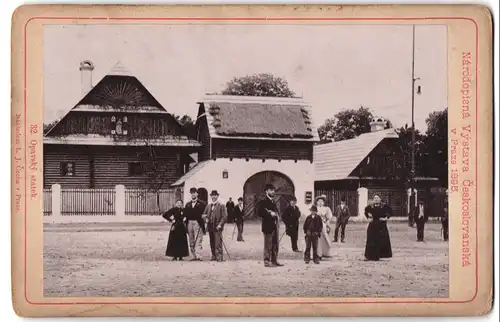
(118, 133)
(368, 164)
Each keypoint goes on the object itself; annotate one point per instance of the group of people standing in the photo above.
(197, 218)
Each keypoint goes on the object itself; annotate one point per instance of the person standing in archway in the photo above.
(267, 210)
(291, 218)
(325, 242)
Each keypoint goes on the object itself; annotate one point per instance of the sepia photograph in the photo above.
(239, 160)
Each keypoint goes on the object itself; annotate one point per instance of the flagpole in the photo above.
(412, 172)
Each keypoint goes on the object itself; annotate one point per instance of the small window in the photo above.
(67, 169)
(135, 169)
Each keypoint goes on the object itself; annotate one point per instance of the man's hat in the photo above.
(293, 198)
(240, 199)
(269, 186)
(314, 208)
(321, 197)
(342, 199)
(214, 193)
(193, 190)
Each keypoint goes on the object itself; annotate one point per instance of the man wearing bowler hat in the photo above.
(268, 211)
(216, 215)
(195, 223)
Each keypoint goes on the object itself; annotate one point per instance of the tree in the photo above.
(48, 126)
(188, 125)
(436, 144)
(263, 84)
(347, 124)
(405, 142)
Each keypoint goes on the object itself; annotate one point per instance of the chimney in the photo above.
(377, 124)
(86, 68)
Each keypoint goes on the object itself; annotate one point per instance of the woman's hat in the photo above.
(214, 193)
(320, 197)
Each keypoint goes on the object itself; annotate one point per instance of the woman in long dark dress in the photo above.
(177, 246)
(378, 242)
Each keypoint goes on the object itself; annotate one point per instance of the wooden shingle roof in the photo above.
(259, 118)
(337, 160)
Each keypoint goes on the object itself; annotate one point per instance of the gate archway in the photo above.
(253, 191)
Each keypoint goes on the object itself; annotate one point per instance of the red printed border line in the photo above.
(246, 302)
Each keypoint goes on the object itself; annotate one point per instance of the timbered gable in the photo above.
(127, 125)
(386, 161)
(119, 110)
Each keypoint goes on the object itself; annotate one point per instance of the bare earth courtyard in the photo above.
(128, 260)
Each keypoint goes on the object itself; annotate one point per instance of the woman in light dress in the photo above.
(325, 241)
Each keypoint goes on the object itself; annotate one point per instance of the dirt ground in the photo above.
(128, 260)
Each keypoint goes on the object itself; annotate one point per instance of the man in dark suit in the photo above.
(229, 208)
(238, 215)
(420, 218)
(195, 223)
(342, 214)
(291, 217)
(216, 215)
(268, 211)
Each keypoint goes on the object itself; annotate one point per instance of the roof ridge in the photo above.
(249, 99)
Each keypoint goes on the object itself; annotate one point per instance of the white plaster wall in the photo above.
(300, 173)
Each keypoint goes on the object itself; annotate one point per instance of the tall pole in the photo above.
(412, 172)
(413, 107)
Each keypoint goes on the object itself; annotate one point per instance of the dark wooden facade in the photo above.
(382, 172)
(105, 167)
(137, 125)
(262, 149)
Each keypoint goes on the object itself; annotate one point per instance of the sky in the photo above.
(333, 67)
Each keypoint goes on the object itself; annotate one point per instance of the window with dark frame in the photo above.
(67, 169)
(135, 169)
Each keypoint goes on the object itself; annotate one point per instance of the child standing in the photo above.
(312, 230)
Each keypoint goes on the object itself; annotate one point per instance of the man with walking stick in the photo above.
(216, 215)
(195, 224)
(268, 211)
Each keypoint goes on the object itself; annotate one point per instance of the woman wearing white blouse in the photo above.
(325, 241)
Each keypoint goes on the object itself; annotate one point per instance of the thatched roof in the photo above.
(259, 117)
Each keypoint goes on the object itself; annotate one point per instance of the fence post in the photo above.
(120, 201)
(362, 202)
(56, 201)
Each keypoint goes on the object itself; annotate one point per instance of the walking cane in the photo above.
(282, 236)
(197, 234)
(225, 248)
(234, 229)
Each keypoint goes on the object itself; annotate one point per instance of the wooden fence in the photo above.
(47, 202)
(108, 202)
(140, 202)
(88, 202)
(333, 198)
